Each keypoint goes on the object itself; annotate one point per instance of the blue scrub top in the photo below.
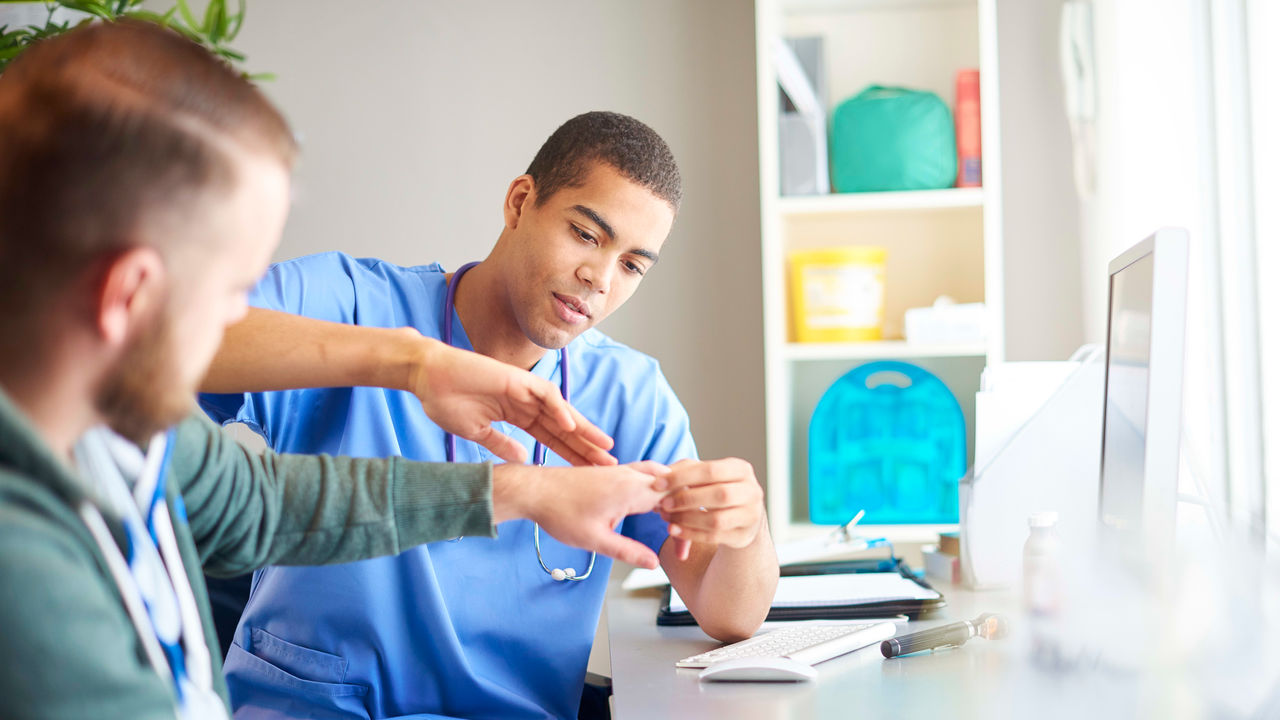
(467, 628)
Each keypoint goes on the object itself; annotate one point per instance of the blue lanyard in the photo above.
(172, 646)
(446, 325)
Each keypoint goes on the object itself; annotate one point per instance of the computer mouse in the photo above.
(759, 669)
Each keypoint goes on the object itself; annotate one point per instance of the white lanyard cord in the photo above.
(97, 456)
(128, 588)
(199, 665)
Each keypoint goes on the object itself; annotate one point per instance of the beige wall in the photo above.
(414, 117)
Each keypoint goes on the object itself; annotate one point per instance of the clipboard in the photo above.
(922, 598)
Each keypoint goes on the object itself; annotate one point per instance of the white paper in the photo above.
(641, 578)
(837, 589)
(822, 548)
(1047, 461)
(1011, 394)
(796, 551)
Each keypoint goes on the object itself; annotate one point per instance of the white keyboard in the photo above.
(809, 644)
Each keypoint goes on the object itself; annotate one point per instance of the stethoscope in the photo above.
(539, 450)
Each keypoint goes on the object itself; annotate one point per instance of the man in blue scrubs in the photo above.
(479, 628)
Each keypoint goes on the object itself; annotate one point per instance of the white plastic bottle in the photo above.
(1041, 571)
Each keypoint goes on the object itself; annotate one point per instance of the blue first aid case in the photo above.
(888, 438)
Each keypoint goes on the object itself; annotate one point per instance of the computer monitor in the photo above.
(1142, 416)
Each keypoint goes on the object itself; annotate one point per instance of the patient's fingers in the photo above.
(625, 549)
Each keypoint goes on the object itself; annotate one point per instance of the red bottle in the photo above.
(968, 130)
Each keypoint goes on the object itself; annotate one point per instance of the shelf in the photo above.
(884, 349)
(938, 242)
(798, 7)
(837, 203)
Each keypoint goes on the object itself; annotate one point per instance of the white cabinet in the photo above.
(939, 242)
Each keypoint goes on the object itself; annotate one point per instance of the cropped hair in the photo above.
(619, 141)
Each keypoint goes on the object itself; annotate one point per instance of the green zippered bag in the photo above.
(887, 138)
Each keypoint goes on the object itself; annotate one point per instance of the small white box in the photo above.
(946, 322)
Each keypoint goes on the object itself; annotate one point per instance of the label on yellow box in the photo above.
(837, 294)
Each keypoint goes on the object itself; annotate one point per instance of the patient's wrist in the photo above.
(408, 360)
(514, 492)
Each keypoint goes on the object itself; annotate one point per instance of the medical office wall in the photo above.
(415, 116)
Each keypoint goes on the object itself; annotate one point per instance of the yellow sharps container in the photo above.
(837, 294)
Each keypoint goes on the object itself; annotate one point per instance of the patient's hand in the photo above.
(582, 506)
(465, 392)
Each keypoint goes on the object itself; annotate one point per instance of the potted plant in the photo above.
(22, 23)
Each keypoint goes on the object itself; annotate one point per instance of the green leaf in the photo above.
(189, 34)
(230, 54)
(50, 30)
(149, 16)
(96, 9)
(187, 17)
(214, 17)
(214, 31)
(237, 21)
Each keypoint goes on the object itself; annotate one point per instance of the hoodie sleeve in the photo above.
(247, 510)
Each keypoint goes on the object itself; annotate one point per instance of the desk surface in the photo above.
(983, 679)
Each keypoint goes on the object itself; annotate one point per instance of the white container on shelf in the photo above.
(946, 322)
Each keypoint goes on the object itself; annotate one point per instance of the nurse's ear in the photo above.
(131, 291)
(520, 196)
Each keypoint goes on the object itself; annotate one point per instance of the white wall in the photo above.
(414, 117)
(1264, 18)
(1148, 173)
(1042, 276)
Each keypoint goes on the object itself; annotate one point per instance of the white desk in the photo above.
(983, 679)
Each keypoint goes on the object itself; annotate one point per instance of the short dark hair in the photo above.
(621, 142)
(103, 128)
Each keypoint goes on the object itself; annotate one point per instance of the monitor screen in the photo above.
(1124, 434)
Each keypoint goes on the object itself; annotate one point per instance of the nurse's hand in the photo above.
(717, 502)
(582, 506)
(465, 393)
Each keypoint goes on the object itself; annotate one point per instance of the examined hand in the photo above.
(465, 393)
(582, 506)
(718, 502)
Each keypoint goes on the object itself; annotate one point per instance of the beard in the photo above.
(143, 394)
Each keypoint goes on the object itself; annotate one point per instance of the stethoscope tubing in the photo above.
(539, 450)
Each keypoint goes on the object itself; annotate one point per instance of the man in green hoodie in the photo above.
(143, 188)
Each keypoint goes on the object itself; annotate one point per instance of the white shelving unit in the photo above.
(939, 242)
(882, 350)
(838, 203)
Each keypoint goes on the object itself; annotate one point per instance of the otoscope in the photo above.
(986, 625)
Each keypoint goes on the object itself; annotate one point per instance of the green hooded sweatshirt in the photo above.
(67, 646)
